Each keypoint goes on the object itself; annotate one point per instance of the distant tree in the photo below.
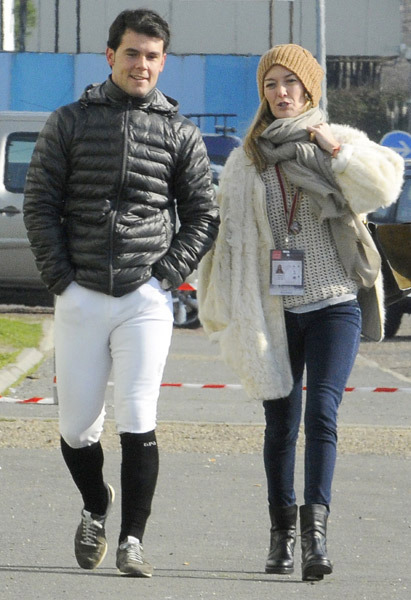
(368, 109)
(24, 22)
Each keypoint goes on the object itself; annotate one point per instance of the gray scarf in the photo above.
(309, 167)
(306, 165)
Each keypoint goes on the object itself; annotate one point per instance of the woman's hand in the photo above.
(321, 134)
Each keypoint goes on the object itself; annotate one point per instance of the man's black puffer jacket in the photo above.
(106, 177)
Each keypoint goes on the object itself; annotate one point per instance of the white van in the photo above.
(18, 134)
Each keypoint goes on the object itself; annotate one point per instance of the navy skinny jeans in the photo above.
(325, 342)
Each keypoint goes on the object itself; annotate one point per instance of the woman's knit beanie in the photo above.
(296, 59)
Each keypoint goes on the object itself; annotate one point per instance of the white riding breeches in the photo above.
(97, 334)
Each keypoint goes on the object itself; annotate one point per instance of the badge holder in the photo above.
(287, 273)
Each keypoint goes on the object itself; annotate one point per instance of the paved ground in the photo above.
(209, 531)
(208, 534)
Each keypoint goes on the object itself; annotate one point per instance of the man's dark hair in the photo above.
(142, 20)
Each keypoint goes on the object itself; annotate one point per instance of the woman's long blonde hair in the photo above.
(263, 118)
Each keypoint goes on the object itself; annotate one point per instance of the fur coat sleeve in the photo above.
(234, 305)
(369, 175)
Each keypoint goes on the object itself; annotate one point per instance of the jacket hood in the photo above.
(109, 93)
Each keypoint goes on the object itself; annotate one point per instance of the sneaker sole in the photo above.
(134, 574)
(88, 568)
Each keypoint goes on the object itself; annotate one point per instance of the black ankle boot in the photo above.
(314, 560)
(283, 533)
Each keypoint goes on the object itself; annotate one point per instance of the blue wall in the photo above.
(231, 87)
(41, 81)
(5, 75)
(212, 83)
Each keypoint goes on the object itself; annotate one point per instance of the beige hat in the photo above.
(298, 60)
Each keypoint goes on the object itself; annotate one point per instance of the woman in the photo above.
(293, 279)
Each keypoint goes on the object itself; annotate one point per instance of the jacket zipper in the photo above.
(113, 216)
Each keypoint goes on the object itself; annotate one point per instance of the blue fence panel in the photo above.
(231, 88)
(89, 68)
(200, 83)
(41, 81)
(183, 79)
(5, 78)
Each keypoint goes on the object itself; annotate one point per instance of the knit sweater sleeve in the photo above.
(369, 175)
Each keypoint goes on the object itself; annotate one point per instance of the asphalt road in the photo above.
(209, 531)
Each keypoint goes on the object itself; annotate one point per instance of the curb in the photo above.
(28, 358)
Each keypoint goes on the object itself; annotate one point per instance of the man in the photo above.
(108, 177)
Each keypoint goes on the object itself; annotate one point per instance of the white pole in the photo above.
(8, 25)
(321, 51)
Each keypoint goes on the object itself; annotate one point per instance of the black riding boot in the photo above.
(314, 560)
(283, 533)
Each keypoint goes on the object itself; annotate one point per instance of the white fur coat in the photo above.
(235, 306)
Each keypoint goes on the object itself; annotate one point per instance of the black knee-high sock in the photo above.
(86, 468)
(139, 471)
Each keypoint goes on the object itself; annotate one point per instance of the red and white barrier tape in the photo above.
(214, 386)
(234, 386)
(34, 400)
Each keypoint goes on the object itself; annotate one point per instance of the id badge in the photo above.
(287, 273)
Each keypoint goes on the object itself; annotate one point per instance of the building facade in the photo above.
(215, 47)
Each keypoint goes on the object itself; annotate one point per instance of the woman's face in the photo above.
(284, 93)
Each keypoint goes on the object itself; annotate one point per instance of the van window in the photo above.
(19, 148)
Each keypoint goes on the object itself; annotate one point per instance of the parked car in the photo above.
(397, 214)
(18, 134)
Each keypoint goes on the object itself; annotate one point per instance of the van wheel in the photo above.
(393, 316)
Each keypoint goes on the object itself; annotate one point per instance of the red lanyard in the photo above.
(294, 203)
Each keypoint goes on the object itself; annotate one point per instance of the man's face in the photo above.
(137, 63)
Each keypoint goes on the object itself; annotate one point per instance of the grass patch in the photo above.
(16, 335)
(7, 358)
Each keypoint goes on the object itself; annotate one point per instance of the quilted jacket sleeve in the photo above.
(196, 208)
(44, 205)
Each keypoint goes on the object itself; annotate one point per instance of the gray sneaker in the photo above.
(130, 559)
(90, 545)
